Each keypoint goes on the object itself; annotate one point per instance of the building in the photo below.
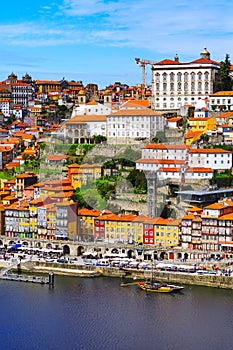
(80, 174)
(133, 124)
(91, 108)
(81, 128)
(175, 83)
(221, 100)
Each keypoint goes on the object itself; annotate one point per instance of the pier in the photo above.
(24, 278)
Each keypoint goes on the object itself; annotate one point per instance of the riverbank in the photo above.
(215, 281)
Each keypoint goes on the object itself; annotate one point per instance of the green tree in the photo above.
(223, 81)
(137, 179)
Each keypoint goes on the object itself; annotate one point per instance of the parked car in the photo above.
(62, 260)
(49, 259)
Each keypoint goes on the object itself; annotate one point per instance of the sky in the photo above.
(96, 41)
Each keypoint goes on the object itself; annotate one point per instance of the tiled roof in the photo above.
(86, 118)
(199, 170)
(136, 112)
(165, 146)
(167, 61)
(208, 150)
(160, 161)
(56, 157)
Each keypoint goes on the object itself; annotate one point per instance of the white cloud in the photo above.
(158, 26)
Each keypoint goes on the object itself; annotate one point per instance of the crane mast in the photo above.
(143, 62)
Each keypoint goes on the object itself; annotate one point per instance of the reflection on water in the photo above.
(98, 314)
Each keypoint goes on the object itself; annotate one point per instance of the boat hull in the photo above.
(159, 288)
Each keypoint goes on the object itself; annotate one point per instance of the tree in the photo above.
(223, 81)
(138, 179)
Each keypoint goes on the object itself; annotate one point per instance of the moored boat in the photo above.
(159, 287)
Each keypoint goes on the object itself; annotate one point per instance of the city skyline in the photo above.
(97, 40)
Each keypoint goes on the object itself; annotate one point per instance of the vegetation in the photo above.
(224, 81)
(138, 180)
(159, 138)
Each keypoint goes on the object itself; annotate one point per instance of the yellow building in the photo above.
(166, 232)
(114, 228)
(80, 174)
(192, 136)
(86, 224)
(198, 126)
(47, 86)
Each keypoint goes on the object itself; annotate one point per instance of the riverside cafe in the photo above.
(18, 248)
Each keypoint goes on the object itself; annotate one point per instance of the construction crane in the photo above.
(143, 62)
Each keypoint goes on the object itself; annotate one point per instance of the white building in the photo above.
(81, 128)
(221, 100)
(91, 108)
(179, 162)
(215, 158)
(129, 125)
(175, 83)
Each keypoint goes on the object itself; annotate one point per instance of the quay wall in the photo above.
(215, 281)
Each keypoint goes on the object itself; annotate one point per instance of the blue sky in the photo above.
(97, 40)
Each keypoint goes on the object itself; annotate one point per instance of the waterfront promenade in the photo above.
(222, 277)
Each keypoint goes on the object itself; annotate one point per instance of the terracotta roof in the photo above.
(205, 61)
(174, 120)
(190, 134)
(89, 212)
(86, 118)
(165, 146)
(208, 150)
(56, 157)
(199, 170)
(217, 205)
(160, 161)
(136, 112)
(167, 61)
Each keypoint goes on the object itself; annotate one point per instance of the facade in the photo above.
(175, 83)
(221, 100)
(133, 124)
(91, 108)
(80, 174)
(81, 128)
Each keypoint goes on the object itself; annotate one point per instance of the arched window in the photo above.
(186, 76)
(179, 75)
(164, 76)
(199, 74)
(172, 77)
(206, 75)
(171, 87)
(164, 87)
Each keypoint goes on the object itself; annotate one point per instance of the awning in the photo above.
(16, 246)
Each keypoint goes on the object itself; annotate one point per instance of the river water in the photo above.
(98, 314)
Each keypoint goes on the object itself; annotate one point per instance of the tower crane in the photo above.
(143, 62)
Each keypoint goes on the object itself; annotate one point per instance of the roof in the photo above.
(86, 118)
(136, 112)
(160, 161)
(167, 61)
(165, 146)
(56, 157)
(208, 150)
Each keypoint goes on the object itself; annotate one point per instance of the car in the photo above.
(62, 260)
(89, 263)
(49, 259)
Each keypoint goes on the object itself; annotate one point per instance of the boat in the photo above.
(157, 287)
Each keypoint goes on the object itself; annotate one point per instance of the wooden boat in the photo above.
(159, 287)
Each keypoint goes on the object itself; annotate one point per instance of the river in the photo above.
(98, 314)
